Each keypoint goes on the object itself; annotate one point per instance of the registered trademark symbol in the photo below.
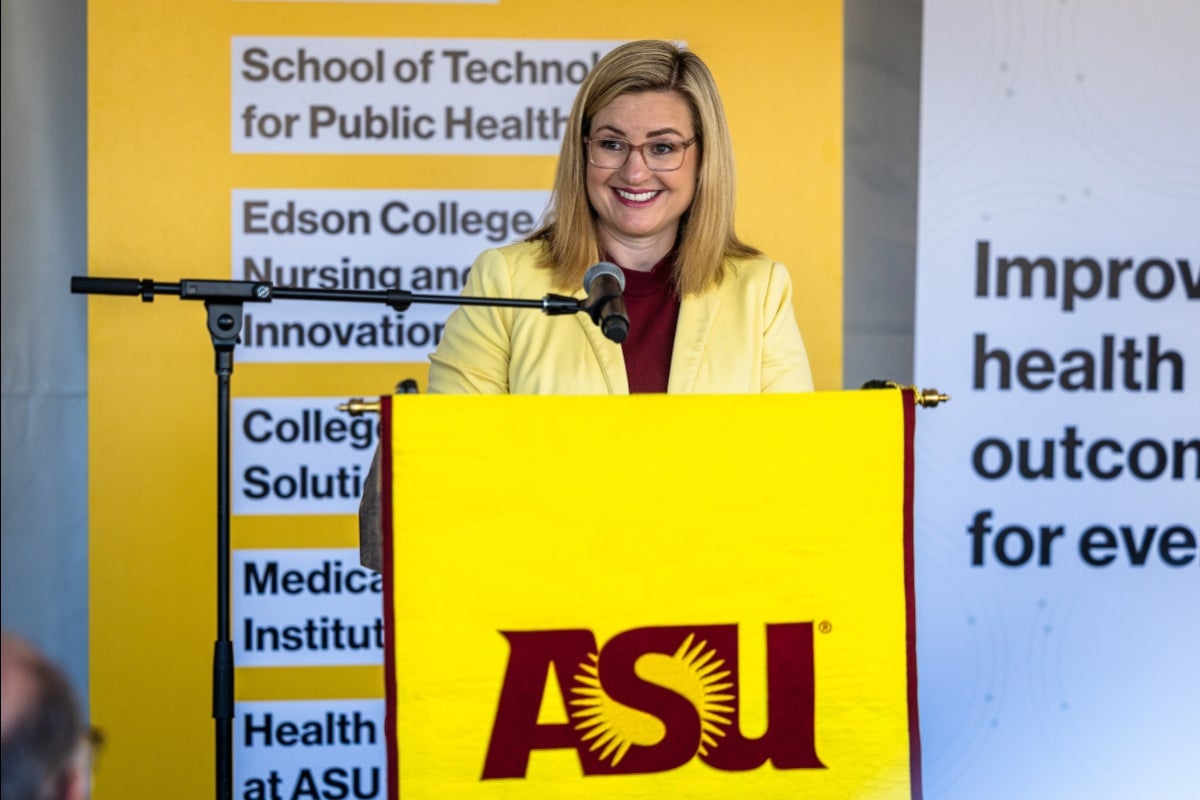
(825, 626)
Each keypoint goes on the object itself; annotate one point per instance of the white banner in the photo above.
(305, 608)
(369, 240)
(299, 455)
(319, 94)
(310, 748)
(1058, 493)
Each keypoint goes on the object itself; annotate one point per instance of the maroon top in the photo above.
(653, 310)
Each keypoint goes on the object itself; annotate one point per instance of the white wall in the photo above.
(44, 327)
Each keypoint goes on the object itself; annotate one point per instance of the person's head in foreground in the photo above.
(41, 728)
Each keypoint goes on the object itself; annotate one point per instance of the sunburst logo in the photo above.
(652, 699)
(694, 671)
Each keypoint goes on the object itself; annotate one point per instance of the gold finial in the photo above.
(929, 398)
(926, 398)
(356, 407)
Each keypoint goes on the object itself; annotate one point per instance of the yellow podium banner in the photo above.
(650, 596)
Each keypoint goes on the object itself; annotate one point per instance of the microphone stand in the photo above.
(224, 301)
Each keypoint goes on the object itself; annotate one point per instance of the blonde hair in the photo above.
(706, 232)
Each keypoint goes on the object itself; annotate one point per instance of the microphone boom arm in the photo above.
(265, 292)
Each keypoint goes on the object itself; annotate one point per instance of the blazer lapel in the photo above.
(608, 356)
(696, 317)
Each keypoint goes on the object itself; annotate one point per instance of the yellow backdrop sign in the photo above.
(347, 145)
(646, 604)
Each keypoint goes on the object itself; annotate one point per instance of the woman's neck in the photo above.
(636, 254)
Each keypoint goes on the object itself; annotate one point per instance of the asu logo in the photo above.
(653, 699)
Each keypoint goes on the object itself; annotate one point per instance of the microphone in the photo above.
(605, 304)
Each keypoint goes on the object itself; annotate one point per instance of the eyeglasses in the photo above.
(660, 155)
(94, 742)
(95, 739)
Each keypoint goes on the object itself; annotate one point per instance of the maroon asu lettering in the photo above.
(653, 699)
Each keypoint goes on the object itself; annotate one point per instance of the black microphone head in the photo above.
(605, 305)
(615, 327)
(603, 268)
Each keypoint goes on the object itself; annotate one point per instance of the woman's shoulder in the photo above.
(513, 256)
(517, 265)
(757, 269)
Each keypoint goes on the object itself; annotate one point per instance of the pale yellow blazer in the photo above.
(739, 338)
